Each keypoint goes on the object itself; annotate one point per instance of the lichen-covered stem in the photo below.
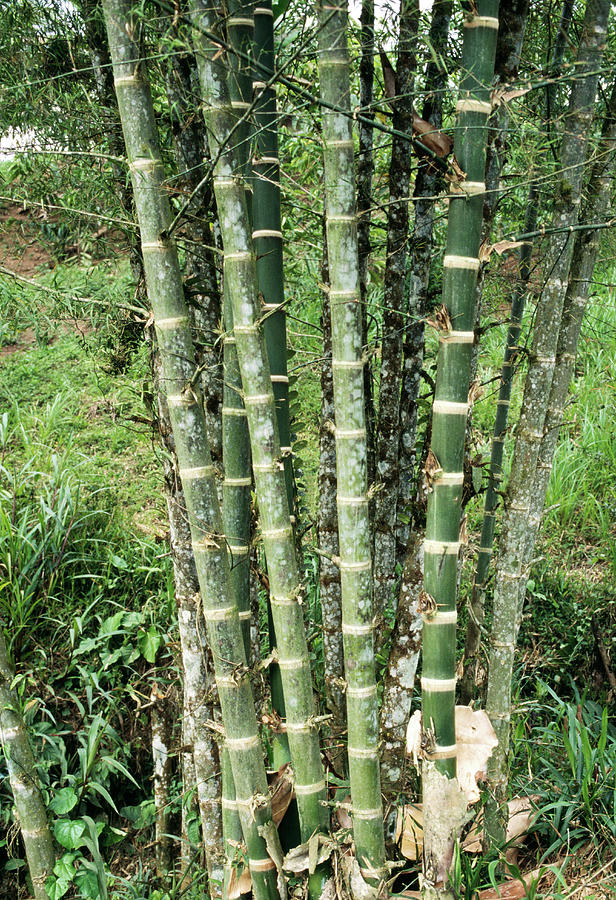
(495, 473)
(162, 758)
(25, 786)
(351, 452)
(365, 159)
(164, 284)
(449, 413)
(387, 458)
(514, 549)
(277, 530)
(327, 530)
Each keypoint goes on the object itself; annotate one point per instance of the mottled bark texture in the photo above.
(162, 758)
(327, 531)
(30, 811)
(405, 639)
(365, 159)
(514, 547)
(197, 677)
(351, 445)
(445, 461)
(195, 232)
(428, 184)
(387, 457)
(165, 292)
(512, 25)
(276, 527)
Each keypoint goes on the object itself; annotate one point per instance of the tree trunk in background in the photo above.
(162, 757)
(444, 802)
(165, 291)
(31, 814)
(428, 184)
(405, 640)
(514, 549)
(351, 444)
(512, 25)
(197, 680)
(387, 457)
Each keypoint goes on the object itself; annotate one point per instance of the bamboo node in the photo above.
(362, 565)
(368, 691)
(363, 752)
(450, 408)
(481, 22)
(442, 548)
(263, 11)
(438, 685)
(457, 337)
(241, 23)
(304, 789)
(452, 261)
(471, 105)
(367, 813)
(261, 865)
(357, 630)
(267, 233)
(244, 743)
(196, 472)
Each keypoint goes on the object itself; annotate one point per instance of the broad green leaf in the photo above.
(148, 642)
(63, 801)
(69, 833)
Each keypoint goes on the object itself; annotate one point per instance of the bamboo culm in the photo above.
(444, 465)
(514, 547)
(164, 284)
(351, 445)
(277, 530)
(25, 785)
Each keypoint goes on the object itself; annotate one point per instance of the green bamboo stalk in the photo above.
(515, 548)
(351, 445)
(237, 483)
(25, 786)
(277, 530)
(267, 239)
(449, 413)
(164, 283)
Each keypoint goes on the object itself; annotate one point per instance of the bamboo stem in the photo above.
(29, 804)
(351, 446)
(444, 465)
(277, 530)
(515, 547)
(165, 292)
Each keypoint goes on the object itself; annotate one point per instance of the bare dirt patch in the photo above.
(20, 249)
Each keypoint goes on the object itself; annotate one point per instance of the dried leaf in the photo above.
(426, 604)
(486, 250)
(359, 889)
(441, 320)
(475, 391)
(281, 792)
(457, 175)
(521, 811)
(239, 882)
(409, 831)
(438, 142)
(431, 468)
(513, 889)
(389, 76)
(297, 860)
(475, 739)
(502, 95)
(343, 817)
